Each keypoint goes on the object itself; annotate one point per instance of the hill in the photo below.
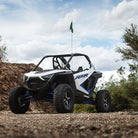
(11, 75)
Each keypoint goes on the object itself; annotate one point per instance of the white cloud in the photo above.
(63, 23)
(32, 50)
(122, 15)
(2, 7)
(99, 24)
(105, 23)
(123, 11)
(102, 58)
(107, 75)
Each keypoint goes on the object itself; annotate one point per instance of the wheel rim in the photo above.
(67, 99)
(106, 102)
(21, 100)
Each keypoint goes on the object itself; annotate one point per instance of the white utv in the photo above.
(63, 79)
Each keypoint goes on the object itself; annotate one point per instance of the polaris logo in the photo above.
(81, 76)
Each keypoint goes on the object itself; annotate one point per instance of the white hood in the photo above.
(42, 73)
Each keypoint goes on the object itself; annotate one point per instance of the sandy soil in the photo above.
(39, 125)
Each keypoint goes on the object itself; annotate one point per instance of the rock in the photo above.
(82, 128)
(134, 113)
(93, 128)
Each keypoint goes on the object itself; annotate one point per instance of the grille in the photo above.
(35, 83)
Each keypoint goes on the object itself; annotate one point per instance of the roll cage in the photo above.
(66, 62)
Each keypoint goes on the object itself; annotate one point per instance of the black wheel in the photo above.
(64, 98)
(103, 101)
(16, 100)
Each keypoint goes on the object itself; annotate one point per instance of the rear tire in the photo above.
(64, 98)
(103, 101)
(16, 100)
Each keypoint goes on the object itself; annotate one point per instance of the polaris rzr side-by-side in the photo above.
(64, 80)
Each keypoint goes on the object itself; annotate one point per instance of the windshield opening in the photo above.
(67, 62)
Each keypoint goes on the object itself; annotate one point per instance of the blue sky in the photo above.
(32, 29)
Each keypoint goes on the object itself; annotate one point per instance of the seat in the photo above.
(80, 69)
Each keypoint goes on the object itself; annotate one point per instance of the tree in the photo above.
(2, 50)
(130, 37)
(130, 52)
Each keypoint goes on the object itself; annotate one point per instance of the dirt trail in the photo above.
(37, 125)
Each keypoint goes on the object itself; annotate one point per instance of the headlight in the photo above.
(25, 78)
(47, 77)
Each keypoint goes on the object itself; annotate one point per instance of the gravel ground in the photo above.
(39, 125)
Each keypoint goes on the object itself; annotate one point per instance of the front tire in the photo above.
(16, 99)
(64, 98)
(103, 101)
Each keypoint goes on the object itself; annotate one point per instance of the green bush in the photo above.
(124, 93)
(3, 52)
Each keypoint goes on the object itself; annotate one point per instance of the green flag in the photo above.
(71, 27)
